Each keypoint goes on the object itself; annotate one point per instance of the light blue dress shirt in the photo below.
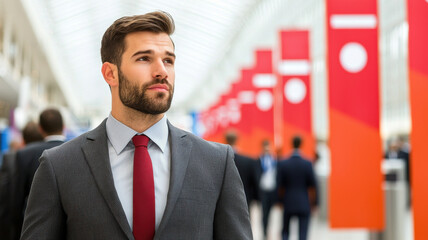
(121, 153)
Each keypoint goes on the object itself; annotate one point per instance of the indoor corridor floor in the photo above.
(318, 228)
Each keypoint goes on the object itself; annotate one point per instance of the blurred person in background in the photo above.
(16, 144)
(397, 150)
(297, 188)
(136, 176)
(266, 179)
(31, 134)
(27, 160)
(8, 230)
(246, 168)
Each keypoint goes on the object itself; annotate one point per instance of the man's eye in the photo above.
(169, 61)
(145, 58)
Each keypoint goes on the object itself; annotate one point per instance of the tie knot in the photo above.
(140, 140)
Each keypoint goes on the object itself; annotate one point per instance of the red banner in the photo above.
(263, 82)
(233, 111)
(222, 116)
(247, 97)
(294, 69)
(355, 142)
(210, 121)
(418, 84)
(252, 105)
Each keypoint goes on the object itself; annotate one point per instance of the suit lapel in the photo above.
(180, 153)
(96, 153)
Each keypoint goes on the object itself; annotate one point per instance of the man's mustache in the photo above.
(158, 81)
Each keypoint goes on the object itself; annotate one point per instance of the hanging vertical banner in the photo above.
(356, 196)
(294, 69)
(209, 122)
(204, 123)
(233, 107)
(223, 116)
(246, 95)
(263, 82)
(418, 85)
(222, 119)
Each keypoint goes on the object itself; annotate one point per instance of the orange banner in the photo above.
(418, 85)
(356, 196)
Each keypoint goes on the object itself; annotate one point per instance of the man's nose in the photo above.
(159, 71)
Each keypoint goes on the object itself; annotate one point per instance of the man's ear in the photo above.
(109, 71)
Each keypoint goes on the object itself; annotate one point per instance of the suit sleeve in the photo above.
(18, 193)
(232, 219)
(44, 216)
(313, 183)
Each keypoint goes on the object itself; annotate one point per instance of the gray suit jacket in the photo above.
(73, 194)
(27, 162)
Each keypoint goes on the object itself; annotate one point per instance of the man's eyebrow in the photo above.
(151, 52)
(170, 54)
(142, 52)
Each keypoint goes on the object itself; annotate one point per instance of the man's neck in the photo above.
(136, 120)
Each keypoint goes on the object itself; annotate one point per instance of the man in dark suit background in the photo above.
(8, 228)
(246, 168)
(396, 150)
(27, 160)
(266, 181)
(297, 185)
(94, 186)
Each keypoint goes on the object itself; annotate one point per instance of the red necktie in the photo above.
(144, 191)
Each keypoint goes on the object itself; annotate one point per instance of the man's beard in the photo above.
(134, 97)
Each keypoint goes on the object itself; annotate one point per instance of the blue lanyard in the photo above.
(267, 162)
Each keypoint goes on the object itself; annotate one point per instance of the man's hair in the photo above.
(31, 133)
(231, 138)
(113, 42)
(297, 142)
(51, 121)
(265, 143)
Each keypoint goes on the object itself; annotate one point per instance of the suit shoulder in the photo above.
(307, 161)
(207, 148)
(68, 147)
(215, 146)
(244, 157)
(32, 147)
(199, 140)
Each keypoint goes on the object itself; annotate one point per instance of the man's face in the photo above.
(146, 74)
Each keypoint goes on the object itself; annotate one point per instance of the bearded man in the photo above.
(136, 176)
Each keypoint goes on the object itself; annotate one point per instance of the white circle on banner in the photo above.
(353, 57)
(235, 116)
(295, 90)
(264, 100)
(234, 111)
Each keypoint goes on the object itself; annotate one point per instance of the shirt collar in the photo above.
(120, 135)
(55, 138)
(158, 133)
(296, 152)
